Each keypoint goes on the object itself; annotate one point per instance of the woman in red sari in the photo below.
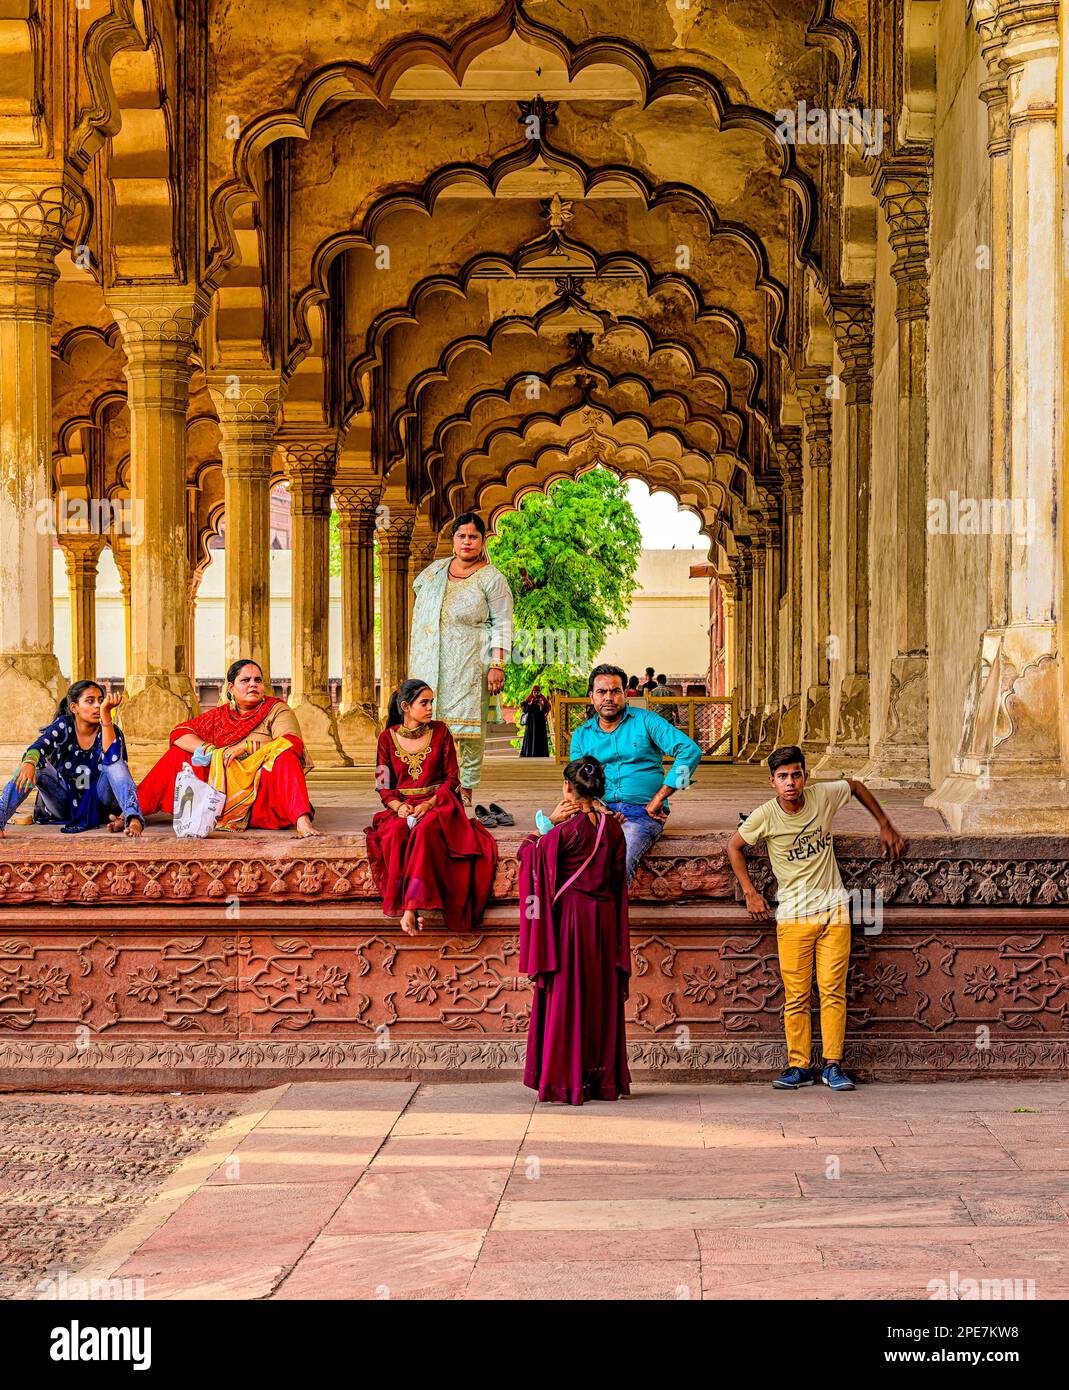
(574, 945)
(258, 751)
(425, 854)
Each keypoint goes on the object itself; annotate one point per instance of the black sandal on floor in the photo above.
(483, 816)
(503, 817)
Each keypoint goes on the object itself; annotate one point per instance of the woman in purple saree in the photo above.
(574, 946)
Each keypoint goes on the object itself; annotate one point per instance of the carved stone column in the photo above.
(33, 213)
(394, 542)
(195, 576)
(900, 754)
(741, 569)
(158, 329)
(422, 550)
(82, 554)
(728, 591)
(790, 715)
(770, 704)
(849, 750)
(756, 663)
(815, 731)
(1012, 770)
(247, 404)
(120, 553)
(358, 723)
(310, 456)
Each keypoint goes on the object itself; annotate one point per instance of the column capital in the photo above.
(422, 547)
(742, 566)
(158, 325)
(789, 449)
(34, 213)
(310, 455)
(1015, 35)
(850, 316)
(81, 553)
(903, 188)
(995, 20)
(816, 412)
(308, 450)
(395, 538)
(358, 504)
(157, 321)
(247, 404)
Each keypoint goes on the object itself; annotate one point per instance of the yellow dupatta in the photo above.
(239, 781)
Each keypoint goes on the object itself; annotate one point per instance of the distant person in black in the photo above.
(533, 716)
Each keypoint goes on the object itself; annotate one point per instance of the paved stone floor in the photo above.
(373, 1190)
(75, 1168)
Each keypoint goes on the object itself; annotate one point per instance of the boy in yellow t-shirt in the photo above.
(813, 915)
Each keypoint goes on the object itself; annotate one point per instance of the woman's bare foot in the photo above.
(305, 827)
(134, 827)
(466, 794)
(115, 824)
(411, 922)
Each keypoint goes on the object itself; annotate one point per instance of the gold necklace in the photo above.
(411, 733)
(413, 761)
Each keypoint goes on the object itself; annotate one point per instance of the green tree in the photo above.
(571, 558)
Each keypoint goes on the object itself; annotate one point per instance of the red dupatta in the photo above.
(223, 725)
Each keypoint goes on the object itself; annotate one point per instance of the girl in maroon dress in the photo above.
(424, 852)
(574, 945)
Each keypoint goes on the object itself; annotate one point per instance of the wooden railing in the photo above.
(710, 720)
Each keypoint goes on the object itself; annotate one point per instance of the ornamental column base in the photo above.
(815, 723)
(900, 757)
(850, 750)
(750, 735)
(358, 731)
(789, 727)
(319, 730)
(31, 686)
(1009, 776)
(151, 709)
(766, 735)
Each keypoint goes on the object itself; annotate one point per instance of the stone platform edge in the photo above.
(944, 870)
(174, 1064)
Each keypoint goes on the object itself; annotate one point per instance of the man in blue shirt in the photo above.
(632, 743)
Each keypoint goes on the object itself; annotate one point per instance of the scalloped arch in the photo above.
(349, 80)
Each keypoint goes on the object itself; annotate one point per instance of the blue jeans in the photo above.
(640, 829)
(115, 790)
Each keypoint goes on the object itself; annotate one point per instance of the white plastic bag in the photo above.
(196, 805)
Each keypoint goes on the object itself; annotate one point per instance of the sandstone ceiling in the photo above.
(454, 231)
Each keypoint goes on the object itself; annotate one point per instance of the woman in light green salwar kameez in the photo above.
(461, 639)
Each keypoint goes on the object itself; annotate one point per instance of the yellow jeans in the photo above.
(824, 939)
